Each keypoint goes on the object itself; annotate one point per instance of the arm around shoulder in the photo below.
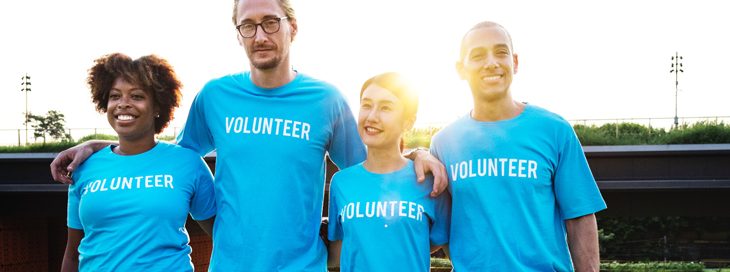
(68, 160)
(423, 163)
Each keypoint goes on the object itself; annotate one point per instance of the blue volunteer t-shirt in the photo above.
(270, 167)
(387, 222)
(513, 183)
(133, 208)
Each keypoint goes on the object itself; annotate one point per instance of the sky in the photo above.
(580, 59)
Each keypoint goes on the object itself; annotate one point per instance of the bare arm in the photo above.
(583, 242)
(334, 249)
(424, 163)
(68, 160)
(207, 225)
(71, 256)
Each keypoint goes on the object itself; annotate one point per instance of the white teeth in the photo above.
(125, 117)
(371, 129)
(491, 78)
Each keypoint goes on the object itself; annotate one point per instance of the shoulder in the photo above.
(99, 161)
(99, 157)
(347, 174)
(547, 121)
(328, 91)
(306, 80)
(176, 152)
(545, 115)
(223, 82)
(451, 129)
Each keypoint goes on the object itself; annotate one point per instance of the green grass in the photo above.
(652, 266)
(625, 267)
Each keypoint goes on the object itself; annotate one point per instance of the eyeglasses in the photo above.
(269, 26)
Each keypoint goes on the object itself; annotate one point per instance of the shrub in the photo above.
(653, 266)
(440, 263)
(37, 148)
(700, 133)
(419, 137)
(107, 137)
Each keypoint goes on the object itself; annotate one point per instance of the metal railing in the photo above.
(17, 136)
(656, 122)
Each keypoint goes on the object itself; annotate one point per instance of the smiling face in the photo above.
(130, 111)
(487, 63)
(381, 121)
(266, 51)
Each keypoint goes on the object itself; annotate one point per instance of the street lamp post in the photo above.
(676, 69)
(25, 87)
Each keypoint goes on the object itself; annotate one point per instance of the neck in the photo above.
(133, 147)
(386, 160)
(496, 110)
(274, 77)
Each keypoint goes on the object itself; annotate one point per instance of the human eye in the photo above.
(247, 27)
(270, 24)
(365, 105)
(138, 95)
(477, 56)
(114, 96)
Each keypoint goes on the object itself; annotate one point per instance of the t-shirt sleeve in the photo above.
(442, 220)
(72, 213)
(202, 205)
(575, 188)
(345, 148)
(196, 135)
(334, 227)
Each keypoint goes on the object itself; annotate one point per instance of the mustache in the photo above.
(264, 47)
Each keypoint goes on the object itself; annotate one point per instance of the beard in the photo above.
(266, 64)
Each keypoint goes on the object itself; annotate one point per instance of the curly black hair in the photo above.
(151, 73)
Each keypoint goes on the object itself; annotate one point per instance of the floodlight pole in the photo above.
(25, 87)
(677, 68)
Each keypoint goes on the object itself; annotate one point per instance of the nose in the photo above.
(260, 34)
(372, 116)
(123, 103)
(491, 62)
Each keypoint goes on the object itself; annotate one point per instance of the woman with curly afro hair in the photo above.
(129, 202)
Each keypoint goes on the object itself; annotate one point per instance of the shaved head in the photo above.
(485, 24)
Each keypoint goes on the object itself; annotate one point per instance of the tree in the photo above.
(52, 125)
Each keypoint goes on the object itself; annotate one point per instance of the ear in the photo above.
(460, 70)
(294, 28)
(516, 62)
